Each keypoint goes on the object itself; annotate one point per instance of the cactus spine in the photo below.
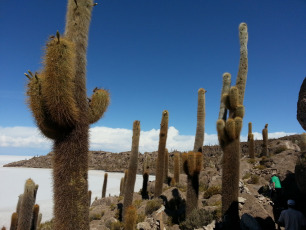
(58, 100)
(229, 135)
(104, 185)
(161, 154)
(192, 163)
(26, 207)
(265, 151)
(14, 221)
(166, 168)
(177, 167)
(199, 137)
(131, 176)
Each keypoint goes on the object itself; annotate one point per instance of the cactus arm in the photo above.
(37, 105)
(58, 88)
(98, 104)
(225, 90)
(199, 137)
(243, 64)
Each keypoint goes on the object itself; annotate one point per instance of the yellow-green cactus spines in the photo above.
(160, 162)
(58, 87)
(133, 164)
(104, 185)
(199, 137)
(98, 104)
(14, 221)
(27, 204)
(243, 63)
(225, 91)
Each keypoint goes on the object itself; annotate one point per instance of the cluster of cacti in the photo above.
(160, 162)
(104, 185)
(251, 143)
(132, 170)
(58, 100)
(229, 128)
(27, 213)
(192, 164)
(265, 151)
(199, 137)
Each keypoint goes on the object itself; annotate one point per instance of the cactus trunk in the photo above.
(104, 185)
(199, 137)
(131, 176)
(160, 162)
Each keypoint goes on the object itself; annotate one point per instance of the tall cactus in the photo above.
(159, 175)
(26, 208)
(249, 130)
(199, 137)
(58, 100)
(265, 151)
(176, 166)
(229, 135)
(192, 164)
(251, 144)
(131, 176)
(104, 185)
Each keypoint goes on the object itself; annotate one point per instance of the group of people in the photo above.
(290, 218)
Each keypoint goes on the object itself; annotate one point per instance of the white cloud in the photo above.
(112, 139)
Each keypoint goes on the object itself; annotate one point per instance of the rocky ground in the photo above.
(256, 208)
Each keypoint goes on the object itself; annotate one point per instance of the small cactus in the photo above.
(89, 197)
(104, 185)
(14, 221)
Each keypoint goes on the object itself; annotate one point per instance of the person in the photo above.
(291, 218)
(276, 188)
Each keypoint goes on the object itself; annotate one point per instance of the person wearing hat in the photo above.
(291, 218)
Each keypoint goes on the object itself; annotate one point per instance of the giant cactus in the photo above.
(229, 134)
(131, 175)
(265, 151)
(192, 164)
(58, 100)
(160, 162)
(199, 137)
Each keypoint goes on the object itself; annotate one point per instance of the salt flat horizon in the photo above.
(13, 180)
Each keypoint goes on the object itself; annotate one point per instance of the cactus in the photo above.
(26, 207)
(121, 186)
(104, 185)
(39, 219)
(58, 100)
(35, 217)
(251, 146)
(265, 151)
(199, 137)
(131, 176)
(300, 173)
(159, 177)
(177, 167)
(130, 218)
(225, 90)
(144, 190)
(192, 163)
(89, 197)
(166, 167)
(249, 130)
(229, 135)
(303, 142)
(14, 221)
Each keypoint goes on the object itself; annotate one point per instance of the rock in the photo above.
(248, 222)
(241, 200)
(143, 226)
(211, 226)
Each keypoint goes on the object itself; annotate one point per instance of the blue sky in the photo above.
(155, 55)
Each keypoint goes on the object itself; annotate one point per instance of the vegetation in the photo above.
(213, 190)
(198, 219)
(153, 205)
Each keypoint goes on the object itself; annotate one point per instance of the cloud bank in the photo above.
(111, 139)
